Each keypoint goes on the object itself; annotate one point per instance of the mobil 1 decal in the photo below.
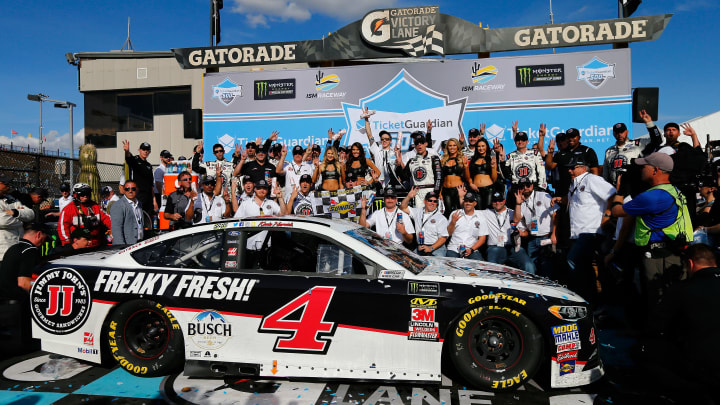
(60, 301)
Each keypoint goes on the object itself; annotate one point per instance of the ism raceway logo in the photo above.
(227, 91)
(482, 75)
(323, 85)
(402, 106)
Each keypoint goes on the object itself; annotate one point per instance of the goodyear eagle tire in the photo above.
(145, 339)
(495, 347)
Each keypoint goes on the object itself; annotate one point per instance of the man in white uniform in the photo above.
(430, 224)
(467, 229)
(388, 222)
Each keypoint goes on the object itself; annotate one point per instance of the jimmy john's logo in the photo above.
(414, 30)
(227, 91)
(60, 301)
(209, 330)
(187, 285)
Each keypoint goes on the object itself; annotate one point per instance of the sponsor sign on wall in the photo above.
(591, 91)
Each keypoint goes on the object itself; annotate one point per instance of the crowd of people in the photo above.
(555, 211)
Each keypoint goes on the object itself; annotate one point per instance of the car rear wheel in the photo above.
(144, 338)
(494, 347)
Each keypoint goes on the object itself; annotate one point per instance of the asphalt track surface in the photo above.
(41, 378)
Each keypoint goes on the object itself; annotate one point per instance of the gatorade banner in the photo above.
(589, 91)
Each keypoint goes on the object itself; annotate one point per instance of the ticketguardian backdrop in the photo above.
(587, 90)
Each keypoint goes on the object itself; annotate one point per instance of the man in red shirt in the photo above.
(84, 213)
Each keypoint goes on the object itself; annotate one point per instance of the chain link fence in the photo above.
(28, 170)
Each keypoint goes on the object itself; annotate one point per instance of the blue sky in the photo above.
(36, 35)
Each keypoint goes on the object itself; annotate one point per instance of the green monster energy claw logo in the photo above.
(261, 89)
(414, 288)
(524, 75)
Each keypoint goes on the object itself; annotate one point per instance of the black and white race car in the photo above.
(294, 297)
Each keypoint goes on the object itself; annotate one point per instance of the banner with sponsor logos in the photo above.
(590, 91)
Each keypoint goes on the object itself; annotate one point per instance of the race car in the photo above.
(290, 297)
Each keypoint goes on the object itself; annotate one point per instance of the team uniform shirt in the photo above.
(406, 156)
(141, 172)
(499, 226)
(250, 208)
(384, 159)
(19, 261)
(617, 157)
(537, 211)
(159, 177)
(211, 208)
(303, 204)
(62, 202)
(385, 223)
(257, 171)
(426, 173)
(467, 230)
(293, 172)
(430, 226)
(587, 200)
(210, 169)
(528, 166)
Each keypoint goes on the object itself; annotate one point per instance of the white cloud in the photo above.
(53, 141)
(260, 12)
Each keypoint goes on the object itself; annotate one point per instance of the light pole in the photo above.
(70, 106)
(39, 98)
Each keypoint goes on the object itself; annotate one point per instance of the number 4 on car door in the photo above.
(307, 334)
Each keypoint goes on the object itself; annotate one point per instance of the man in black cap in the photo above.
(108, 198)
(536, 210)
(251, 148)
(141, 172)
(294, 169)
(503, 240)
(13, 214)
(179, 208)
(258, 169)
(80, 240)
(261, 204)
(474, 136)
(19, 262)
(209, 206)
(430, 224)
(587, 200)
(388, 222)
(302, 201)
(423, 169)
(524, 164)
(467, 228)
(619, 156)
(159, 175)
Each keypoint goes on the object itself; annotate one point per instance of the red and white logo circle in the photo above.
(60, 301)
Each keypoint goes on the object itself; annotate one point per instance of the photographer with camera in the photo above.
(662, 224)
(85, 213)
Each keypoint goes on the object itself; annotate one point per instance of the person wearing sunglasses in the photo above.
(537, 212)
(179, 208)
(126, 217)
(83, 212)
(209, 167)
(430, 224)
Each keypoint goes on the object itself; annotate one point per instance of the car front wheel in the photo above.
(145, 339)
(495, 347)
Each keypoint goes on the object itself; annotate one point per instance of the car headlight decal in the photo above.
(568, 313)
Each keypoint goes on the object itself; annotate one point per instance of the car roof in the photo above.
(341, 225)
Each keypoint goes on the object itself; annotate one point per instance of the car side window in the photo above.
(298, 251)
(196, 251)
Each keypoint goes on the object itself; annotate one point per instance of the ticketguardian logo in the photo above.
(410, 125)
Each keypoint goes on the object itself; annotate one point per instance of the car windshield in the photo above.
(392, 250)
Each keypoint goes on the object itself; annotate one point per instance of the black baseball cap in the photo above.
(419, 139)
(619, 128)
(521, 136)
(350, 176)
(145, 146)
(316, 147)
(473, 132)
(469, 196)
(4, 179)
(524, 182)
(64, 187)
(561, 136)
(261, 150)
(577, 160)
(251, 145)
(262, 183)
(306, 178)
(276, 148)
(390, 192)
(298, 150)
(430, 195)
(104, 191)
(166, 154)
(671, 125)
(247, 179)
(208, 180)
(572, 133)
(497, 196)
(81, 233)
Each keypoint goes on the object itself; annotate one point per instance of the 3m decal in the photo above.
(307, 334)
(209, 330)
(60, 301)
(416, 288)
(187, 285)
(422, 325)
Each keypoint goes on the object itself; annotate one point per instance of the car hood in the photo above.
(86, 256)
(479, 273)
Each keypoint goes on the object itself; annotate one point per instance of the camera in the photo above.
(91, 222)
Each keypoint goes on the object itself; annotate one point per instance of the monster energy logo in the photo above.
(261, 90)
(417, 288)
(524, 75)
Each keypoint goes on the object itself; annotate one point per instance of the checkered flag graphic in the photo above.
(431, 42)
